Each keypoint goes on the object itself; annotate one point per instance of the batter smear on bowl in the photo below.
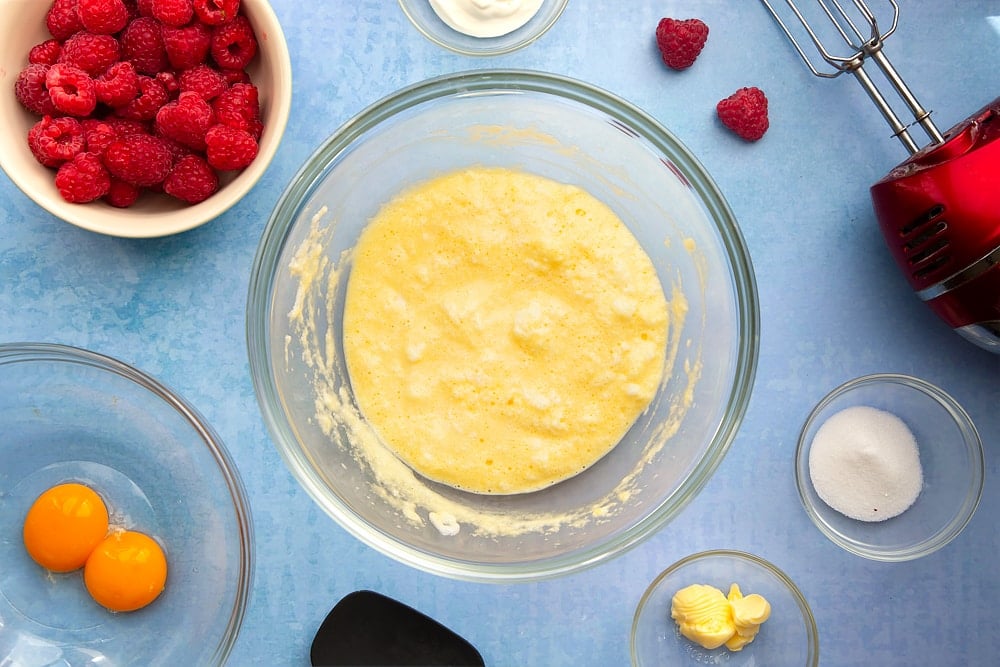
(502, 331)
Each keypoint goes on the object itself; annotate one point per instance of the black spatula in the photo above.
(366, 629)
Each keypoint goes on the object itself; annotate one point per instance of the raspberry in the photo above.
(204, 80)
(71, 89)
(140, 159)
(144, 7)
(185, 120)
(680, 42)
(118, 86)
(192, 180)
(46, 53)
(229, 148)
(187, 46)
(152, 96)
(173, 12)
(83, 179)
(97, 135)
(91, 53)
(745, 113)
(103, 17)
(170, 82)
(233, 44)
(125, 126)
(56, 140)
(234, 76)
(142, 44)
(216, 12)
(239, 107)
(30, 90)
(62, 19)
(121, 194)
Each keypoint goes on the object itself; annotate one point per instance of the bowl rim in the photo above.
(470, 83)
(970, 439)
(30, 352)
(812, 630)
(186, 217)
(486, 50)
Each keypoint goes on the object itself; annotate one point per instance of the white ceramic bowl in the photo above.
(70, 415)
(557, 128)
(951, 457)
(425, 19)
(22, 23)
(788, 638)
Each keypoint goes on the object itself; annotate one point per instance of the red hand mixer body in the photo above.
(939, 210)
(940, 214)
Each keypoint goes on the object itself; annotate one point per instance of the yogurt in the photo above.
(485, 18)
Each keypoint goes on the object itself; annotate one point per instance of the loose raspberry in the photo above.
(152, 96)
(56, 140)
(83, 179)
(126, 126)
(30, 90)
(229, 148)
(97, 135)
(142, 44)
(71, 89)
(680, 42)
(121, 194)
(204, 80)
(239, 107)
(185, 120)
(91, 53)
(171, 82)
(186, 46)
(62, 19)
(46, 53)
(216, 12)
(118, 86)
(173, 12)
(144, 7)
(234, 44)
(192, 180)
(140, 159)
(745, 113)
(102, 17)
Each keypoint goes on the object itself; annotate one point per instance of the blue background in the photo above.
(833, 304)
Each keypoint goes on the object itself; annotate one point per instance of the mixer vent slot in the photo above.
(925, 242)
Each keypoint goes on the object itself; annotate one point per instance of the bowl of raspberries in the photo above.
(141, 118)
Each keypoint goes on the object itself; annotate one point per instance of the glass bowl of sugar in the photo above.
(889, 467)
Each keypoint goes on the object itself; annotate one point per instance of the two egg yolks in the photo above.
(67, 529)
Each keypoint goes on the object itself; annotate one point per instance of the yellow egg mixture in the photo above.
(502, 331)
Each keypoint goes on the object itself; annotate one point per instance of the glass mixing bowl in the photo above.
(567, 131)
(72, 415)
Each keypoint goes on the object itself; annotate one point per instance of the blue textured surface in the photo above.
(833, 304)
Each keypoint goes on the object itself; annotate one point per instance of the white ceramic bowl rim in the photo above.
(14, 353)
(974, 449)
(621, 114)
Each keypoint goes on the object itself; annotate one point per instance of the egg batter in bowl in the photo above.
(502, 331)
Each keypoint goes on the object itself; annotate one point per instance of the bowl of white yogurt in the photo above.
(502, 326)
(483, 27)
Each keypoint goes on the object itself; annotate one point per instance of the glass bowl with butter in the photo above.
(502, 326)
(889, 467)
(483, 27)
(724, 606)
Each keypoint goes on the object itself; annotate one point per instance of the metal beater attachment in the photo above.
(860, 31)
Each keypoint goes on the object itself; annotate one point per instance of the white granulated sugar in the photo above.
(865, 464)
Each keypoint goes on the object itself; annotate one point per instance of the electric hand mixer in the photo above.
(939, 210)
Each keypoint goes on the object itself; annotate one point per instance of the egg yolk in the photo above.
(64, 525)
(126, 571)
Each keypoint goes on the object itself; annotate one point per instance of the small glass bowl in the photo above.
(788, 637)
(72, 415)
(951, 455)
(430, 25)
